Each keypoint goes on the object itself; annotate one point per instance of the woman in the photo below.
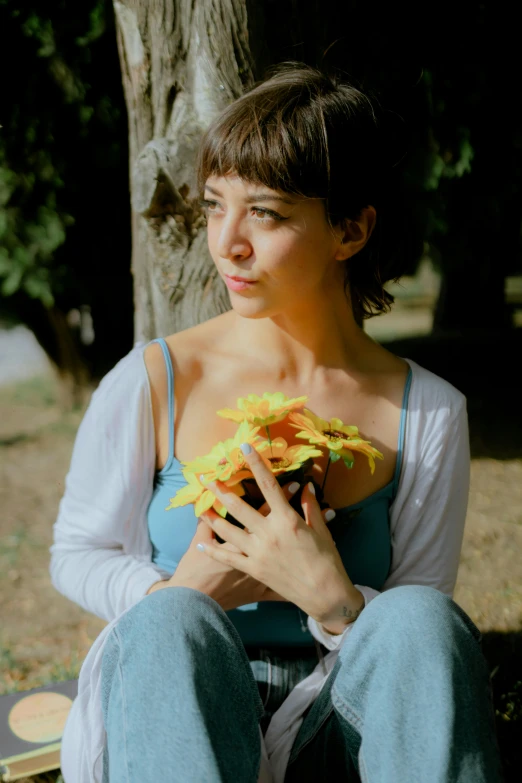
(304, 647)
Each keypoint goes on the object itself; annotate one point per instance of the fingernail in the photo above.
(246, 448)
(201, 547)
(330, 514)
(311, 488)
(293, 487)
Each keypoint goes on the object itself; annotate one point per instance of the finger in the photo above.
(205, 533)
(289, 491)
(230, 533)
(328, 515)
(243, 512)
(265, 480)
(232, 559)
(312, 511)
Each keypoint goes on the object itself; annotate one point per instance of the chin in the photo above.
(250, 308)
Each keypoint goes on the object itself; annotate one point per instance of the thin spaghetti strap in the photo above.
(170, 394)
(402, 430)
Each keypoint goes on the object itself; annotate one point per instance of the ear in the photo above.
(354, 234)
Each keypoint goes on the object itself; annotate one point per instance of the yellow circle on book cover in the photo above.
(40, 717)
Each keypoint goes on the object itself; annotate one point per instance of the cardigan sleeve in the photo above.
(100, 556)
(428, 516)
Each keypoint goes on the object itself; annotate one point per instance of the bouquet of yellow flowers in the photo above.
(225, 461)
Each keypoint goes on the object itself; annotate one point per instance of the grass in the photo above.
(38, 392)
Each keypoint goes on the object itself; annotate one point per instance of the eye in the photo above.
(266, 215)
(209, 206)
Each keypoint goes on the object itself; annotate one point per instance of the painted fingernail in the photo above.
(246, 448)
(201, 547)
(330, 514)
(293, 487)
(311, 488)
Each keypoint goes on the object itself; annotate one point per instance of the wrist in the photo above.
(344, 612)
(157, 586)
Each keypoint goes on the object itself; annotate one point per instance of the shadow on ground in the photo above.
(503, 652)
(486, 367)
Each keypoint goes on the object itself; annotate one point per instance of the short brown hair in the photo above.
(310, 134)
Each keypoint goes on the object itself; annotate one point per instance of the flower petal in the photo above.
(204, 503)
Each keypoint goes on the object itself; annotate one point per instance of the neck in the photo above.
(301, 344)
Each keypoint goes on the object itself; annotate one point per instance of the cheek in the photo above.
(293, 255)
(212, 237)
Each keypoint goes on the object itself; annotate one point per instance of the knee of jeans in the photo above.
(421, 609)
(175, 608)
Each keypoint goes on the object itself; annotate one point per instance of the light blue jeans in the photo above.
(408, 700)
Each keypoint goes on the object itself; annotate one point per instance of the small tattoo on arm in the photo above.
(351, 615)
(347, 614)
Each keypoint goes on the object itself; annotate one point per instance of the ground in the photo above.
(44, 637)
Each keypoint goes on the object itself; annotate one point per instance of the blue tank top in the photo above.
(361, 532)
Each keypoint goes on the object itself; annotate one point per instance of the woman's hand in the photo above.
(225, 584)
(295, 557)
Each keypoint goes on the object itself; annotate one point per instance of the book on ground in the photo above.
(31, 728)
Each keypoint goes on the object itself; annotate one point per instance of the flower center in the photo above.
(223, 461)
(335, 435)
(279, 462)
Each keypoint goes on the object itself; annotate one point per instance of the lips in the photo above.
(239, 283)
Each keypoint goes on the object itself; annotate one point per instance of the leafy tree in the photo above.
(64, 215)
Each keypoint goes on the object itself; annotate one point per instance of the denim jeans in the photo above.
(408, 700)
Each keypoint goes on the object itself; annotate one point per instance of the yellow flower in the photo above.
(203, 499)
(282, 458)
(225, 461)
(339, 438)
(262, 411)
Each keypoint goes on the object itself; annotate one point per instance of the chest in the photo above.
(197, 428)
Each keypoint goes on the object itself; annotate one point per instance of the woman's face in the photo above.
(280, 243)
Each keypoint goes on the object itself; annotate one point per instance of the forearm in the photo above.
(102, 581)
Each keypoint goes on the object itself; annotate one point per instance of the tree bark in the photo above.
(182, 62)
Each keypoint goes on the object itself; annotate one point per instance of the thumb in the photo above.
(203, 532)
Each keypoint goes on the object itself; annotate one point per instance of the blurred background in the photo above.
(102, 107)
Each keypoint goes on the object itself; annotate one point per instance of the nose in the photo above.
(232, 242)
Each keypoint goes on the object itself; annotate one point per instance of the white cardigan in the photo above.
(101, 555)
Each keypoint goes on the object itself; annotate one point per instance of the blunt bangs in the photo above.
(269, 142)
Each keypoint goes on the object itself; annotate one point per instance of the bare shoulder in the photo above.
(187, 350)
(190, 348)
(384, 370)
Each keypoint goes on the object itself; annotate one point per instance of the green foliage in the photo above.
(57, 104)
(27, 246)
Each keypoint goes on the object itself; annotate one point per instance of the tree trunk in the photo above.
(182, 62)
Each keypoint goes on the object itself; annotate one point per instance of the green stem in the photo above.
(267, 429)
(326, 472)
